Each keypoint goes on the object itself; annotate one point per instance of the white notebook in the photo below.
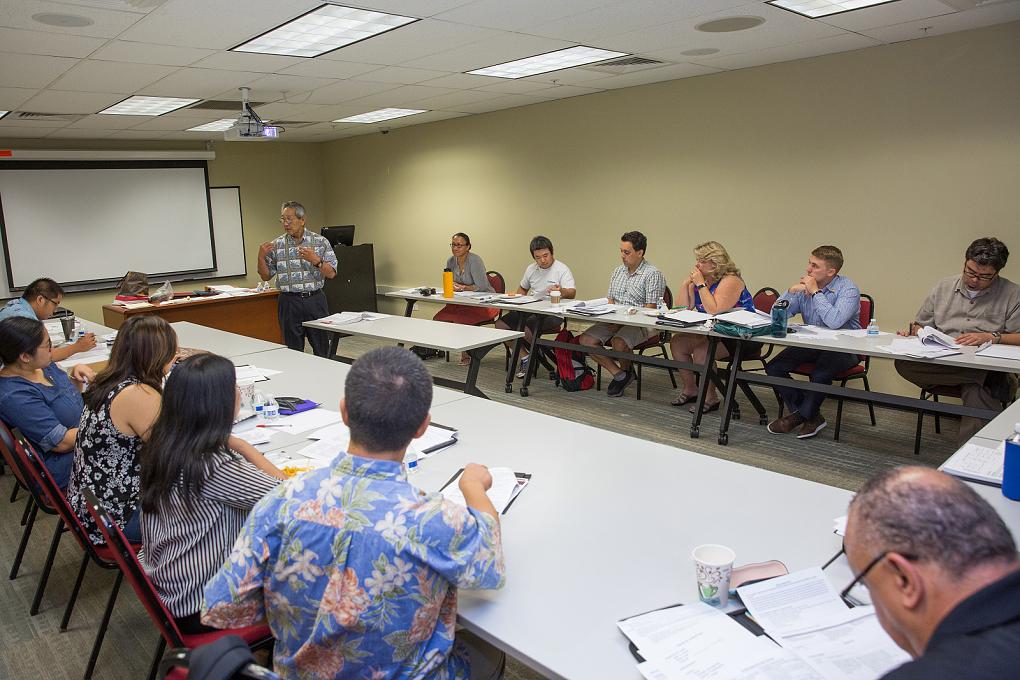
(976, 462)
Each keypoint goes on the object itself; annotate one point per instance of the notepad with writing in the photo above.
(977, 463)
(506, 486)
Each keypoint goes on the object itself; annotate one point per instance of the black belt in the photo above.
(302, 295)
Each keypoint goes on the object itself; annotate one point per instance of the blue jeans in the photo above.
(133, 528)
(827, 366)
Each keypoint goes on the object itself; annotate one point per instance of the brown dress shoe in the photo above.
(787, 423)
(811, 427)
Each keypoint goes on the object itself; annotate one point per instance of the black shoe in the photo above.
(616, 387)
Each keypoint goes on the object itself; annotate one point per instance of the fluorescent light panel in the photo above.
(823, 8)
(215, 126)
(147, 106)
(323, 30)
(380, 115)
(3, 113)
(550, 61)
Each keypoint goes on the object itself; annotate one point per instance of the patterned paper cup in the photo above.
(713, 565)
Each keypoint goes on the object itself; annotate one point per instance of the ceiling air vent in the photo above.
(221, 105)
(31, 115)
(625, 65)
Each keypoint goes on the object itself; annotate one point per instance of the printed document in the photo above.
(799, 601)
(998, 351)
(503, 490)
(742, 317)
(981, 463)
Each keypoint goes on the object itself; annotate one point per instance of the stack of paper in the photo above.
(806, 332)
(915, 347)
(979, 463)
(349, 317)
(254, 373)
(93, 356)
(687, 316)
(999, 351)
(506, 485)
(517, 299)
(596, 307)
(742, 317)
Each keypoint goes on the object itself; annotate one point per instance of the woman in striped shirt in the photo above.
(198, 484)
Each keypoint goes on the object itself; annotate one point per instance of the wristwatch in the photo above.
(699, 286)
(318, 265)
(996, 337)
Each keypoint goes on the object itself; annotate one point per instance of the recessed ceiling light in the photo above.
(322, 30)
(699, 52)
(3, 113)
(550, 61)
(147, 106)
(730, 24)
(380, 115)
(823, 8)
(62, 20)
(215, 126)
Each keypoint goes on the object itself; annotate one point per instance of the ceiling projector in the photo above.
(249, 127)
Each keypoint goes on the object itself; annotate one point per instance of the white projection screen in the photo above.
(90, 222)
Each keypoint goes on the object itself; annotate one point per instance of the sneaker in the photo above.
(786, 424)
(616, 387)
(522, 369)
(811, 427)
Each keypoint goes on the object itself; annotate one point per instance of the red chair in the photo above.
(256, 636)
(7, 444)
(471, 315)
(858, 372)
(935, 392)
(101, 555)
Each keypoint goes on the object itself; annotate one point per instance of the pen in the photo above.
(272, 426)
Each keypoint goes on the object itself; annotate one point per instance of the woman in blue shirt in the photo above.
(37, 397)
(713, 286)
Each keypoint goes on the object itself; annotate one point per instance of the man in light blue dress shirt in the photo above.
(825, 299)
(40, 300)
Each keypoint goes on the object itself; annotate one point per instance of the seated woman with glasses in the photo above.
(37, 397)
(468, 275)
(195, 491)
(40, 301)
(713, 286)
(120, 408)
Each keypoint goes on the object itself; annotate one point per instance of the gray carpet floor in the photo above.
(33, 647)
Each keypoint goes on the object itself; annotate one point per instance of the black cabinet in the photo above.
(353, 287)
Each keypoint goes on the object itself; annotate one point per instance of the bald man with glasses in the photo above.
(976, 306)
(942, 571)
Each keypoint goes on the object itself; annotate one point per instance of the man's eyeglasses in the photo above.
(971, 274)
(458, 245)
(55, 303)
(871, 565)
(288, 220)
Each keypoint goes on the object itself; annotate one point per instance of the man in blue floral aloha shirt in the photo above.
(355, 570)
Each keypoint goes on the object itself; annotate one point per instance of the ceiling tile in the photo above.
(111, 76)
(565, 91)
(401, 75)
(12, 121)
(136, 6)
(276, 86)
(290, 111)
(13, 97)
(327, 68)
(150, 53)
(136, 134)
(412, 8)
(106, 122)
(10, 132)
(56, 101)
(346, 90)
(105, 23)
(248, 61)
(513, 16)
(29, 70)
(578, 75)
(164, 123)
(625, 16)
(811, 48)
(501, 47)
(454, 99)
(199, 82)
(400, 97)
(885, 15)
(410, 42)
(50, 44)
(947, 23)
(220, 25)
(78, 133)
(652, 75)
(507, 101)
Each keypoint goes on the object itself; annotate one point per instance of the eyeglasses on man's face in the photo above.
(971, 274)
(871, 565)
(458, 245)
(289, 219)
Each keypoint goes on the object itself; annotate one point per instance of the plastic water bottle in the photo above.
(410, 459)
(272, 411)
(873, 327)
(662, 306)
(1011, 466)
(258, 403)
(780, 315)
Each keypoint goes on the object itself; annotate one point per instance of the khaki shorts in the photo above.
(632, 335)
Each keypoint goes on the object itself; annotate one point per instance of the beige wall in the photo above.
(268, 174)
(900, 154)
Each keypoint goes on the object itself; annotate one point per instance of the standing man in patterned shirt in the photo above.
(635, 283)
(301, 262)
(356, 570)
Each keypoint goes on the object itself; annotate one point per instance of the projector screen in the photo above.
(90, 222)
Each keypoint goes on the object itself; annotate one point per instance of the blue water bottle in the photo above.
(779, 318)
(1011, 466)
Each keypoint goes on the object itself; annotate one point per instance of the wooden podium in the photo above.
(250, 315)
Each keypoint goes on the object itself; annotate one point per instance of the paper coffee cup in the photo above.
(247, 389)
(554, 296)
(713, 565)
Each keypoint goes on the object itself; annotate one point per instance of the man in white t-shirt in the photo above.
(543, 275)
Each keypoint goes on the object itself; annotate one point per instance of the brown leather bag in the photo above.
(134, 284)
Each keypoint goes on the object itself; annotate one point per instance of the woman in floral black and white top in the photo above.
(120, 408)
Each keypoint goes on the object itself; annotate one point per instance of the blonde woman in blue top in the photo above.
(713, 286)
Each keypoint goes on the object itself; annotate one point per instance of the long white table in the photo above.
(476, 341)
(226, 343)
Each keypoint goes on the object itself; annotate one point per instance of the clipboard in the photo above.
(439, 447)
(523, 479)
